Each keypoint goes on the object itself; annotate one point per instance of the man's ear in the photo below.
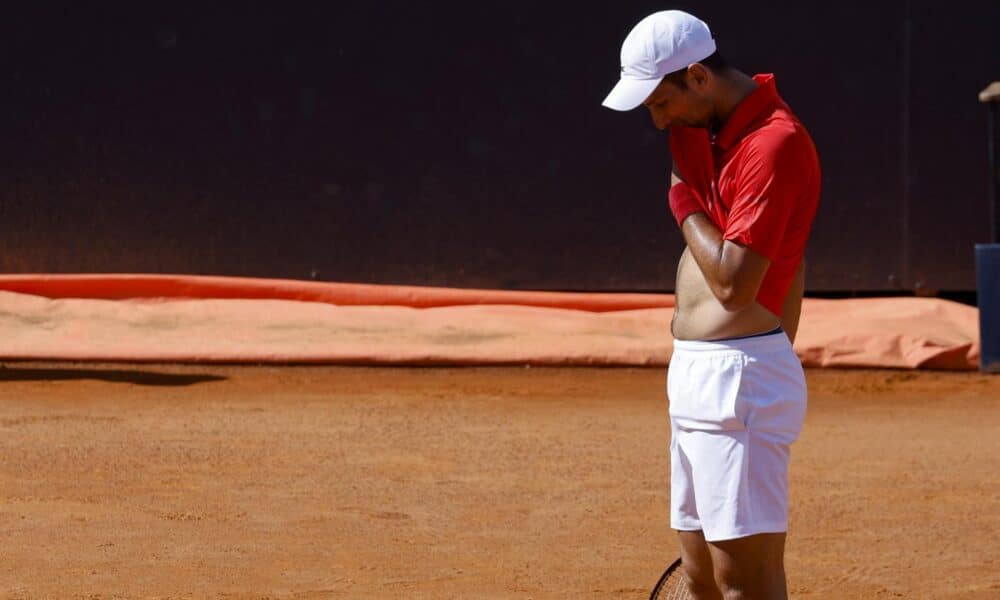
(698, 74)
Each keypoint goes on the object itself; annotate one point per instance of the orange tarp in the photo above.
(888, 332)
(217, 319)
(128, 286)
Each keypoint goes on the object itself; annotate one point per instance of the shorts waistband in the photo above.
(743, 337)
(772, 342)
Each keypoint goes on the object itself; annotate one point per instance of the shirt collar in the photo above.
(747, 111)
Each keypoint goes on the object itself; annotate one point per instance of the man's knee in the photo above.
(700, 580)
(759, 581)
(736, 594)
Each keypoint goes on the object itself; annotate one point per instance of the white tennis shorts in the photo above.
(736, 406)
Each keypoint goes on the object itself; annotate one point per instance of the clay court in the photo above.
(165, 481)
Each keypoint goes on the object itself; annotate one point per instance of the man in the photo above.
(744, 191)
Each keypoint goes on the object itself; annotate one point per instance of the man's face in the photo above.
(671, 105)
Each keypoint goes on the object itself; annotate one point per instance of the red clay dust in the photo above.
(213, 481)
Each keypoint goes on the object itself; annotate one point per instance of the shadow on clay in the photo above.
(111, 375)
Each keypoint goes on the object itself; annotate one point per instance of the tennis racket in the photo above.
(671, 585)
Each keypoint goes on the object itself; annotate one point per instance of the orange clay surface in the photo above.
(158, 481)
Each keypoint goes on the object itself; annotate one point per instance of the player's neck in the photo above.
(734, 87)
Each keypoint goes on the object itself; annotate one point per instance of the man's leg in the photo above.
(696, 564)
(751, 568)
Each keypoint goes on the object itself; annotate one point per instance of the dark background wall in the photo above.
(464, 143)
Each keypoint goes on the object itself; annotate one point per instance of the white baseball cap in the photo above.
(662, 43)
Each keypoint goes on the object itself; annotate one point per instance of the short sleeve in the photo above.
(771, 179)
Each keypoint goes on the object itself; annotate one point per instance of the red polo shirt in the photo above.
(758, 180)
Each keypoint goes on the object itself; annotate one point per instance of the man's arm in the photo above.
(733, 272)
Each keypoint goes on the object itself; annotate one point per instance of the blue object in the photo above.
(988, 294)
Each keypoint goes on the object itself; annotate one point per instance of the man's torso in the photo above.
(698, 314)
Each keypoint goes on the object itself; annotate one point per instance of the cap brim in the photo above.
(630, 93)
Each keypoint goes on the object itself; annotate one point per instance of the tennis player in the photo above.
(744, 191)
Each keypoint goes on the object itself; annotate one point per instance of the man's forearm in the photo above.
(718, 261)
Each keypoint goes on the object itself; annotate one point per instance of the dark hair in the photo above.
(714, 63)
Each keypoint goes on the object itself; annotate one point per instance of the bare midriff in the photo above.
(698, 315)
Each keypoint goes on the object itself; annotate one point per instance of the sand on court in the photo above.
(157, 481)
